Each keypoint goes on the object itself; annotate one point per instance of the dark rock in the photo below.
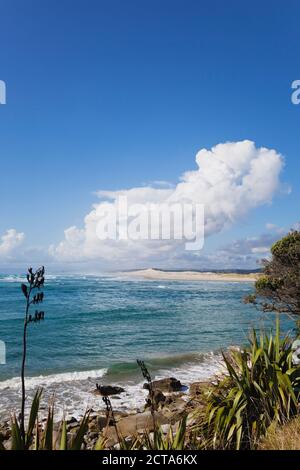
(73, 426)
(166, 385)
(158, 399)
(72, 420)
(106, 390)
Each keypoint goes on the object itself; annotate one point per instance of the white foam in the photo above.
(19, 278)
(210, 365)
(45, 380)
(13, 278)
(73, 395)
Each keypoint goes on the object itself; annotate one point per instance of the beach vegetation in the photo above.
(45, 438)
(261, 390)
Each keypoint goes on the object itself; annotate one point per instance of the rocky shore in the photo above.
(172, 401)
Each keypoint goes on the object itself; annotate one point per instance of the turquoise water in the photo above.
(96, 326)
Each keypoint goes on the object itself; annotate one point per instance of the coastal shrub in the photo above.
(278, 290)
(261, 389)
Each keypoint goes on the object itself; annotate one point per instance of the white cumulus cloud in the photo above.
(230, 180)
(9, 243)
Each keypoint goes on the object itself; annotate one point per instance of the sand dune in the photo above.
(193, 276)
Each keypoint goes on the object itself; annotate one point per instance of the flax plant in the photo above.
(147, 377)
(261, 390)
(33, 295)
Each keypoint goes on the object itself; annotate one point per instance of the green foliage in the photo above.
(78, 439)
(267, 282)
(100, 444)
(288, 248)
(261, 389)
(33, 416)
(17, 438)
(278, 290)
(47, 440)
(37, 439)
(16, 435)
(64, 437)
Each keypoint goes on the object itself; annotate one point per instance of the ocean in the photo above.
(96, 327)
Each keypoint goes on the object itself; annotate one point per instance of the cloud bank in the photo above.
(230, 180)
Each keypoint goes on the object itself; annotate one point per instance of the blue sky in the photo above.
(112, 94)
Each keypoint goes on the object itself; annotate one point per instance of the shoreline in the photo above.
(172, 401)
(156, 274)
(73, 389)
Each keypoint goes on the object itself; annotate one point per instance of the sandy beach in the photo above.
(193, 276)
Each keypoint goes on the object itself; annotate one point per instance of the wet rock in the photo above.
(107, 390)
(166, 385)
(72, 420)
